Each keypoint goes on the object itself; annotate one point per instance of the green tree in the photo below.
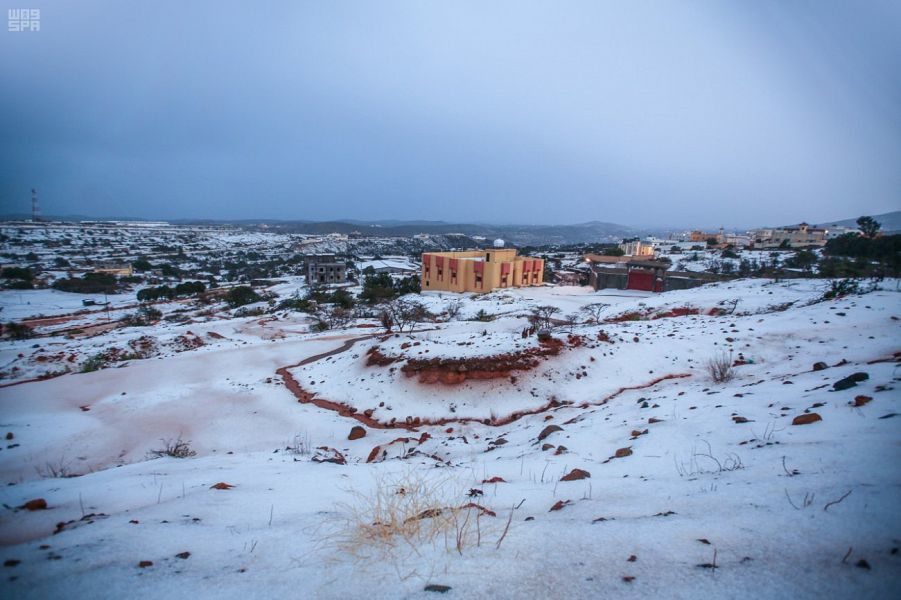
(342, 298)
(17, 331)
(142, 264)
(241, 295)
(803, 259)
(17, 273)
(869, 226)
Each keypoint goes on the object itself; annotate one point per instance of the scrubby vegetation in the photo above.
(241, 295)
(89, 283)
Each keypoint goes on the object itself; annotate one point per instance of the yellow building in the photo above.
(479, 270)
(117, 270)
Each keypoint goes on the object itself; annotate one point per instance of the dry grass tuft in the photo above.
(720, 368)
(413, 510)
(175, 448)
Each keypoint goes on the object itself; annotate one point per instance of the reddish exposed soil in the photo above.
(650, 315)
(451, 371)
(306, 397)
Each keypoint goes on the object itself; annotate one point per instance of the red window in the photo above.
(427, 265)
(439, 264)
(478, 270)
(452, 265)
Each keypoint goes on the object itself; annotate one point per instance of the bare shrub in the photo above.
(60, 468)
(176, 448)
(702, 461)
(595, 310)
(543, 316)
(301, 445)
(720, 368)
(453, 309)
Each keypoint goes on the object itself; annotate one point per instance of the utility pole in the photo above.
(35, 211)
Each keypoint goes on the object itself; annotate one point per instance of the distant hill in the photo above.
(520, 235)
(891, 222)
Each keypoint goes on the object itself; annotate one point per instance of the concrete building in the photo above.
(644, 275)
(738, 240)
(636, 247)
(324, 269)
(703, 236)
(479, 270)
(800, 236)
(117, 270)
(838, 231)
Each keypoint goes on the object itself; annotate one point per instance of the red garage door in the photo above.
(640, 280)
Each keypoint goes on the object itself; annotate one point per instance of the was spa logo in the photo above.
(23, 19)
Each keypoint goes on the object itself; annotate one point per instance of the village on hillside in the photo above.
(187, 402)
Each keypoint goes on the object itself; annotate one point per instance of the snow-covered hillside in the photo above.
(614, 467)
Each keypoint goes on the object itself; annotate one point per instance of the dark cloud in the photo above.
(659, 113)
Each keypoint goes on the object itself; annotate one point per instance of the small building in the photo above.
(479, 270)
(324, 269)
(636, 247)
(702, 236)
(836, 231)
(799, 236)
(393, 265)
(117, 270)
(642, 275)
(738, 240)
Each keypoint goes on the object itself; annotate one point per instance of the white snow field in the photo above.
(697, 489)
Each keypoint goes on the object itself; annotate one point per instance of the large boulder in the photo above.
(36, 504)
(548, 431)
(850, 381)
(575, 475)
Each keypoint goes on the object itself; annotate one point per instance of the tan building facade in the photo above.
(800, 236)
(637, 248)
(479, 270)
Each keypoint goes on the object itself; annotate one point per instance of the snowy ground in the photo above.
(720, 477)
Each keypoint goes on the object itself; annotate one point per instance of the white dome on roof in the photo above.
(498, 243)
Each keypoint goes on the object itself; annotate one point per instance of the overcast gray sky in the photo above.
(643, 113)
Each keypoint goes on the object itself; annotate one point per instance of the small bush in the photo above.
(146, 315)
(298, 304)
(484, 316)
(22, 273)
(56, 470)
(18, 284)
(841, 287)
(301, 445)
(94, 363)
(250, 312)
(89, 283)
(720, 368)
(413, 510)
(17, 331)
(176, 448)
(240, 296)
